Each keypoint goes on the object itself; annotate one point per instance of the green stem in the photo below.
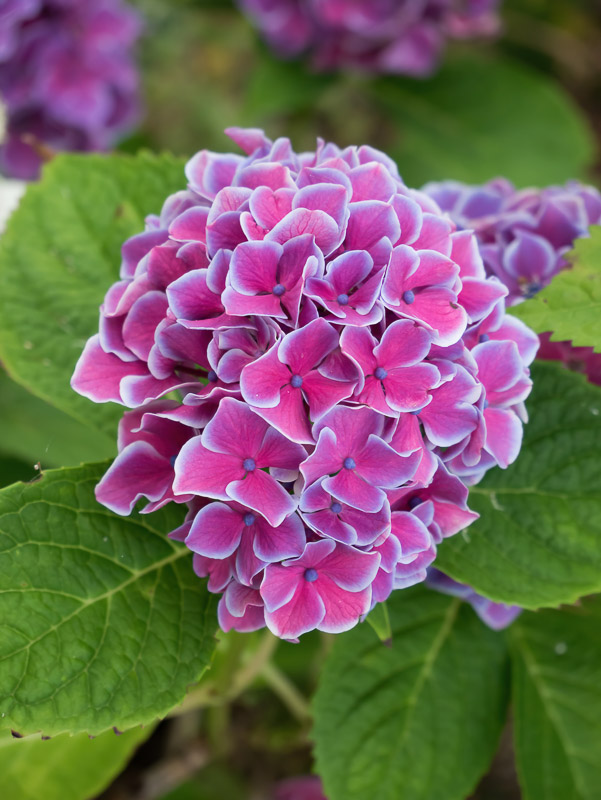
(290, 696)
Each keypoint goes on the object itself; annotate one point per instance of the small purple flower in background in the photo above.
(67, 77)
(304, 788)
(496, 615)
(396, 36)
(300, 339)
(523, 237)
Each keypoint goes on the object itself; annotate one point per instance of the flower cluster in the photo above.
(523, 238)
(343, 368)
(523, 235)
(66, 76)
(405, 37)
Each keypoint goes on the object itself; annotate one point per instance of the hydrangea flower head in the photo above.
(396, 36)
(67, 77)
(297, 339)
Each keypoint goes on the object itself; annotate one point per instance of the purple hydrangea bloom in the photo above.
(396, 36)
(67, 77)
(316, 326)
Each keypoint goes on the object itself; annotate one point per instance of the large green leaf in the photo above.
(35, 431)
(59, 255)
(420, 719)
(570, 306)
(556, 658)
(538, 540)
(64, 767)
(102, 620)
(479, 117)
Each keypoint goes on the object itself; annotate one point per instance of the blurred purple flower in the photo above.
(67, 77)
(523, 237)
(397, 36)
(338, 368)
(496, 615)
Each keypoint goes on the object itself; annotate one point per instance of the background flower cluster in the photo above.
(404, 37)
(67, 77)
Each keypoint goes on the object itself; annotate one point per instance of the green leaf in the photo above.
(35, 431)
(570, 306)
(538, 540)
(556, 657)
(64, 767)
(379, 619)
(479, 117)
(65, 241)
(102, 620)
(419, 720)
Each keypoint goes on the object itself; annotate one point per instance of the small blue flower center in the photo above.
(485, 406)
(380, 373)
(172, 460)
(408, 297)
(342, 299)
(279, 289)
(249, 464)
(212, 377)
(296, 381)
(531, 289)
(311, 575)
(336, 507)
(416, 411)
(249, 519)
(414, 502)
(349, 463)
(484, 337)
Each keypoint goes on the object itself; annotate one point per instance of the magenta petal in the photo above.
(377, 462)
(98, 374)
(343, 609)
(348, 487)
(323, 393)
(216, 531)
(306, 348)
(303, 613)
(263, 380)
(260, 492)
(203, 472)
(191, 225)
(403, 344)
(138, 471)
(329, 197)
(276, 544)
(289, 416)
(253, 618)
(141, 323)
(504, 433)
(302, 221)
(253, 267)
(235, 429)
(279, 584)
(324, 460)
(350, 569)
